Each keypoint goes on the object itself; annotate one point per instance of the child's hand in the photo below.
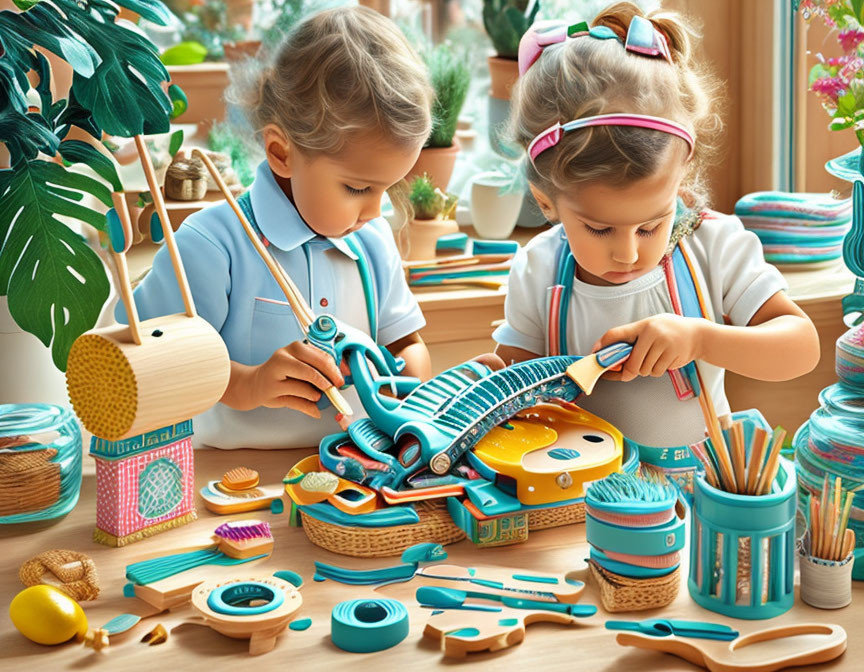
(660, 343)
(295, 377)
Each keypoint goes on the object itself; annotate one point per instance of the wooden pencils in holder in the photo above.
(830, 537)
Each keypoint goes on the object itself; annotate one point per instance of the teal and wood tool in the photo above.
(452, 598)
(552, 587)
(662, 627)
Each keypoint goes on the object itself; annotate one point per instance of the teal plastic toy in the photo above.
(741, 549)
(411, 559)
(364, 626)
(453, 598)
(661, 627)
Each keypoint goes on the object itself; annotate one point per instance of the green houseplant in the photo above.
(433, 217)
(506, 21)
(55, 283)
(450, 78)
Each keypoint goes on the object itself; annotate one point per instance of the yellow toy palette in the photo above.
(550, 452)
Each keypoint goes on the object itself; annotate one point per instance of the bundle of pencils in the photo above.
(738, 467)
(830, 538)
(730, 464)
(487, 270)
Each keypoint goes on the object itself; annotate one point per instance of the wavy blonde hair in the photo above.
(585, 76)
(339, 73)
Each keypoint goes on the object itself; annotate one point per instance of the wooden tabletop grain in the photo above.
(588, 647)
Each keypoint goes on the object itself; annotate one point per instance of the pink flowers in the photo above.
(836, 79)
(828, 89)
(850, 39)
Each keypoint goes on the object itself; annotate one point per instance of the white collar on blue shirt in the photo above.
(278, 219)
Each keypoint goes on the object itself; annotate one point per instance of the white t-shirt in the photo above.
(734, 275)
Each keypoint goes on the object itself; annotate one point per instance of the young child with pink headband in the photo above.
(617, 123)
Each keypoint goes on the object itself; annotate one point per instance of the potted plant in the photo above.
(433, 218)
(496, 200)
(55, 283)
(450, 79)
(506, 22)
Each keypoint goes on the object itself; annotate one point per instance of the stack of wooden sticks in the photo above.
(830, 539)
(734, 466)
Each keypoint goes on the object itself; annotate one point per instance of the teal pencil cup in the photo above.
(742, 548)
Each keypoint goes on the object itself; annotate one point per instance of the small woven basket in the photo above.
(435, 526)
(621, 593)
(29, 481)
(541, 519)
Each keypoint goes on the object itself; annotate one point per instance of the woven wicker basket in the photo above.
(435, 526)
(621, 593)
(29, 481)
(541, 519)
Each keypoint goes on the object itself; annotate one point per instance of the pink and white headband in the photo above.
(642, 38)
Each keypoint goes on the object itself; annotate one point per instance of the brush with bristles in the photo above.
(632, 500)
(237, 542)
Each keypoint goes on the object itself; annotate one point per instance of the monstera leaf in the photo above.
(55, 283)
(125, 94)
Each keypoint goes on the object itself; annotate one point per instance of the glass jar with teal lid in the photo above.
(831, 443)
(40, 462)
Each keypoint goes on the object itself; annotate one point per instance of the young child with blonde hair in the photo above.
(342, 110)
(618, 121)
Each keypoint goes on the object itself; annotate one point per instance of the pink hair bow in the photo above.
(642, 38)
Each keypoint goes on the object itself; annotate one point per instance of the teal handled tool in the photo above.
(551, 587)
(662, 627)
(411, 559)
(364, 626)
(451, 598)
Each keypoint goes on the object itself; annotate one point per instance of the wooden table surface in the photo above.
(586, 648)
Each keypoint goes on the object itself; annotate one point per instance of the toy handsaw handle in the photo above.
(298, 304)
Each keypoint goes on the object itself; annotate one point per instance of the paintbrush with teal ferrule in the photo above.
(661, 627)
(451, 598)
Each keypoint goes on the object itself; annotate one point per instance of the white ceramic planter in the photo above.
(493, 214)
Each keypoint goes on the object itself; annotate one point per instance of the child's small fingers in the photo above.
(302, 405)
(654, 354)
(291, 387)
(663, 364)
(319, 360)
(626, 333)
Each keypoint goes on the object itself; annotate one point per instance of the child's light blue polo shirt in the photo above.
(228, 281)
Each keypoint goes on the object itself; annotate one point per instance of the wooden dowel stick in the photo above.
(716, 435)
(754, 464)
(123, 283)
(167, 231)
(298, 304)
(772, 463)
(736, 433)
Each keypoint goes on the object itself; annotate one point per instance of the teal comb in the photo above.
(150, 571)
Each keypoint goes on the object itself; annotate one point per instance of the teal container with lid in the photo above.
(742, 548)
(40, 462)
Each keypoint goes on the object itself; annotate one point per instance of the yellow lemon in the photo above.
(47, 615)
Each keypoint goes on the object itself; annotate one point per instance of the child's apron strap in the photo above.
(685, 290)
(688, 300)
(559, 300)
(354, 244)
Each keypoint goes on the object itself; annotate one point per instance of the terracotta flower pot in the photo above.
(204, 85)
(437, 162)
(423, 235)
(504, 73)
(493, 214)
(236, 51)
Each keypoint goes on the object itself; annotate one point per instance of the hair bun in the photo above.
(618, 17)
